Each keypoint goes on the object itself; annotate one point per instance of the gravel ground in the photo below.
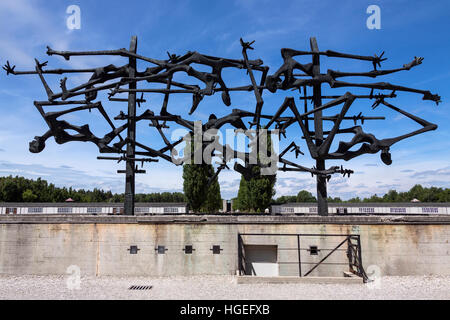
(218, 288)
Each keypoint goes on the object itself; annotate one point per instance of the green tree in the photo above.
(241, 202)
(199, 196)
(375, 198)
(255, 195)
(10, 191)
(334, 200)
(29, 196)
(305, 196)
(213, 201)
(285, 199)
(416, 192)
(357, 199)
(252, 196)
(17, 189)
(391, 196)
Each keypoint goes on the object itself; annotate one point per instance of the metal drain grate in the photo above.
(140, 287)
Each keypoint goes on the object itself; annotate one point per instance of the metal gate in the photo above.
(351, 243)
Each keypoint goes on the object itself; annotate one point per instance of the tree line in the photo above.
(20, 189)
(253, 196)
(423, 194)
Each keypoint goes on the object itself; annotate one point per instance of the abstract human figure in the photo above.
(318, 141)
(290, 76)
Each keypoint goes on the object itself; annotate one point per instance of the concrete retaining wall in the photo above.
(100, 245)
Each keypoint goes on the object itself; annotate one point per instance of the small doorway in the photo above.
(228, 206)
(261, 260)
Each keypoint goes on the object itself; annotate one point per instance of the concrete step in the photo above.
(285, 279)
(348, 274)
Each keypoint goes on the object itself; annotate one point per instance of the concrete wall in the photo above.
(397, 248)
(404, 249)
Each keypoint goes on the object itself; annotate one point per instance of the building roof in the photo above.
(90, 204)
(369, 204)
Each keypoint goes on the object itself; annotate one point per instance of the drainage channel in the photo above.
(140, 287)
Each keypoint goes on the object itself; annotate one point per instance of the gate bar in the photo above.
(299, 260)
(346, 239)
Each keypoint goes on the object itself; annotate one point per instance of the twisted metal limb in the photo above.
(160, 73)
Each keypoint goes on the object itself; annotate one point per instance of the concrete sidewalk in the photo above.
(218, 288)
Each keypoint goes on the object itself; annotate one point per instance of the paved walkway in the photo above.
(217, 287)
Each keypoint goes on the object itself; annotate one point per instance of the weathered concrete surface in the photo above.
(99, 245)
(233, 219)
(218, 288)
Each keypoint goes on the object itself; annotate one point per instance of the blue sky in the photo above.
(408, 29)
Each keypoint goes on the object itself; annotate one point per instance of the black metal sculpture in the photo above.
(124, 79)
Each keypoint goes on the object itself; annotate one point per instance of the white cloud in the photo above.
(79, 179)
(25, 29)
